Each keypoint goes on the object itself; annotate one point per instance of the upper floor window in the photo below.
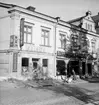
(93, 43)
(86, 25)
(27, 33)
(63, 40)
(89, 27)
(45, 37)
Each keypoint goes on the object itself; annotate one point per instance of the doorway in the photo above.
(89, 65)
(83, 68)
(45, 67)
(25, 66)
(74, 65)
(35, 62)
(60, 67)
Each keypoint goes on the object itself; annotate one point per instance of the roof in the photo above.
(96, 17)
(5, 5)
(32, 9)
(77, 19)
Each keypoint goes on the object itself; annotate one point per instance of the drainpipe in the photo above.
(55, 33)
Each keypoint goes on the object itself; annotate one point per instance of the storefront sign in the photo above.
(34, 48)
(13, 41)
(60, 53)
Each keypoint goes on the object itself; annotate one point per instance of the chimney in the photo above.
(58, 19)
(31, 8)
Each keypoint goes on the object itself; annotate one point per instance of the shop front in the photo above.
(29, 62)
(35, 57)
(61, 64)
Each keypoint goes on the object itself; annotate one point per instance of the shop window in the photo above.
(25, 64)
(45, 62)
(60, 67)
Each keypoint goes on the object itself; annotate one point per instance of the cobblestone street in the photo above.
(60, 94)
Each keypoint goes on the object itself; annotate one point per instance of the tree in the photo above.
(79, 45)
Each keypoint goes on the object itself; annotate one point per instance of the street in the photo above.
(15, 93)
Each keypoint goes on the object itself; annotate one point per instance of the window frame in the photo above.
(62, 36)
(44, 37)
(28, 26)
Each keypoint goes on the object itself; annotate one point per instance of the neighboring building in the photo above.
(88, 23)
(28, 38)
(96, 20)
(62, 41)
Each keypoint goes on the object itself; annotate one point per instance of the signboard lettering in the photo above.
(60, 53)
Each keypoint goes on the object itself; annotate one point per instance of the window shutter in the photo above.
(22, 32)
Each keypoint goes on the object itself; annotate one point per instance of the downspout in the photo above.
(55, 33)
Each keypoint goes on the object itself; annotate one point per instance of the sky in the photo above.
(65, 9)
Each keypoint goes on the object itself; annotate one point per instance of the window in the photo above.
(25, 65)
(88, 27)
(25, 62)
(45, 37)
(45, 62)
(63, 40)
(27, 34)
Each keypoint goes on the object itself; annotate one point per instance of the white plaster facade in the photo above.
(12, 56)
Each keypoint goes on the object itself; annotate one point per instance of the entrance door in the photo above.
(35, 63)
(89, 65)
(74, 65)
(60, 67)
(83, 68)
(45, 67)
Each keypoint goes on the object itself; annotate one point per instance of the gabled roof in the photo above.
(80, 18)
(95, 18)
(5, 5)
(76, 20)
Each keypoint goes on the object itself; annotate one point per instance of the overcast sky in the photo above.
(66, 9)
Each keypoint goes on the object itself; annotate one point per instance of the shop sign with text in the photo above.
(61, 53)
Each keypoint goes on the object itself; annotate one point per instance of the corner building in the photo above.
(30, 39)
